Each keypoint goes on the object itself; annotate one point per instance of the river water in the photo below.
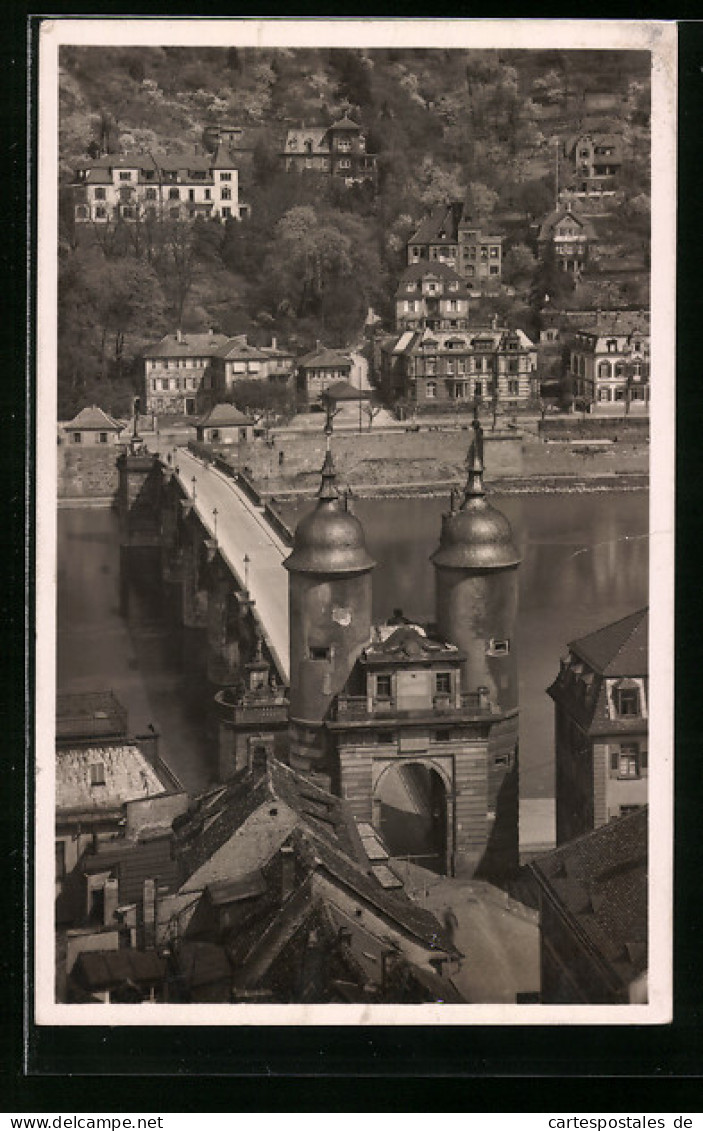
(584, 564)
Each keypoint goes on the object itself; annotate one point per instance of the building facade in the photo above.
(431, 296)
(174, 369)
(450, 235)
(338, 150)
(596, 160)
(141, 187)
(237, 360)
(451, 367)
(609, 365)
(317, 371)
(572, 236)
(601, 727)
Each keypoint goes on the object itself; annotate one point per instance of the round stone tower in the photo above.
(330, 615)
(476, 587)
(476, 566)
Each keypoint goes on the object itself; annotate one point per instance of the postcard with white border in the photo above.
(354, 447)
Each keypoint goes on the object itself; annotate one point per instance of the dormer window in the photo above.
(97, 773)
(611, 345)
(383, 686)
(627, 699)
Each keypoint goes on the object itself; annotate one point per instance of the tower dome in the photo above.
(476, 535)
(329, 540)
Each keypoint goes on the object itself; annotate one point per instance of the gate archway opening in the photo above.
(410, 812)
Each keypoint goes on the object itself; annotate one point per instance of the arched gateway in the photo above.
(412, 812)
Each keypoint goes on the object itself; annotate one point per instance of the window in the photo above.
(97, 773)
(225, 176)
(100, 212)
(498, 647)
(77, 438)
(102, 438)
(226, 212)
(478, 390)
(344, 163)
(174, 213)
(385, 736)
(128, 212)
(164, 382)
(226, 193)
(383, 686)
(443, 683)
(493, 270)
(444, 734)
(319, 653)
(494, 253)
(150, 194)
(513, 365)
(626, 762)
(431, 390)
(611, 345)
(503, 760)
(100, 194)
(214, 434)
(627, 701)
(125, 176)
(81, 212)
(173, 194)
(207, 194)
(513, 388)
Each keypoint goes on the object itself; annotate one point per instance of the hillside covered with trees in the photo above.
(315, 254)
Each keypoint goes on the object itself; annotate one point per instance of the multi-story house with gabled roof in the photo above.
(338, 150)
(610, 364)
(451, 235)
(432, 296)
(450, 367)
(157, 187)
(601, 698)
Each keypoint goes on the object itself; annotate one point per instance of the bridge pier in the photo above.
(223, 627)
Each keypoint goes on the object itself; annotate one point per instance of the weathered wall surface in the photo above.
(87, 473)
(379, 457)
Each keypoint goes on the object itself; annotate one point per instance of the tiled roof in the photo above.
(108, 969)
(441, 218)
(416, 272)
(345, 391)
(239, 348)
(190, 345)
(223, 159)
(324, 359)
(127, 775)
(93, 419)
(345, 123)
(550, 222)
(599, 883)
(618, 649)
(224, 416)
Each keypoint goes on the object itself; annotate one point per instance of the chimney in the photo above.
(318, 345)
(210, 331)
(274, 342)
(179, 335)
(494, 322)
(287, 871)
(110, 904)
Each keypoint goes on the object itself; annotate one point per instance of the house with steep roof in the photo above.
(91, 426)
(174, 369)
(431, 296)
(337, 150)
(593, 916)
(572, 236)
(596, 159)
(276, 883)
(455, 367)
(224, 424)
(157, 188)
(610, 363)
(601, 698)
(452, 235)
(316, 371)
(237, 360)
